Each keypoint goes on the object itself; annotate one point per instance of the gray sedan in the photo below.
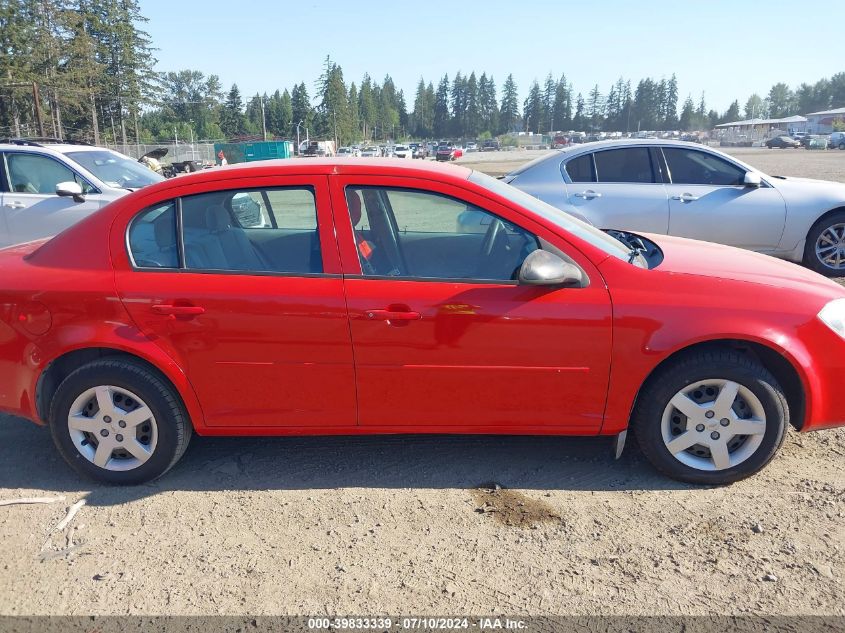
(674, 188)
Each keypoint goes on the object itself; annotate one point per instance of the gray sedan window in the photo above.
(630, 164)
(580, 169)
(691, 167)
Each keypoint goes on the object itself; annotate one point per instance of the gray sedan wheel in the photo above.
(825, 248)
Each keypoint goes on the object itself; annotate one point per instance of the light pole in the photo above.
(191, 127)
(263, 117)
(297, 137)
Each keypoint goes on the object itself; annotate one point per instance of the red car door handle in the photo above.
(392, 315)
(171, 310)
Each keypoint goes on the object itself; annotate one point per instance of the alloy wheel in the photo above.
(830, 247)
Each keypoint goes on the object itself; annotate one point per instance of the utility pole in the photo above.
(94, 120)
(36, 98)
(263, 117)
(297, 137)
(137, 139)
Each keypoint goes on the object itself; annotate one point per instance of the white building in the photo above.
(822, 122)
(755, 130)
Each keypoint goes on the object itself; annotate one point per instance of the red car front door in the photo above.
(254, 311)
(444, 340)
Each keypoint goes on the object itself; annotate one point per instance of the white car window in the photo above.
(38, 174)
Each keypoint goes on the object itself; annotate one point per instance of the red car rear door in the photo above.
(241, 286)
(444, 340)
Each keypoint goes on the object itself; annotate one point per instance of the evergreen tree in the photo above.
(488, 109)
(423, 115)
(300, 104)
(688, 115)
(332, 119)
(367, 112)
(595, 108)
(533, 109)
(670, 107)
(562, 108)
(732, 113)
(509, 120)
(441, 108)
(472, 120)
(354, 116)
(232, 119)
(578, 121)
(549, 91)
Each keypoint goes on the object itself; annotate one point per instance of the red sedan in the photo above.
(332, 297)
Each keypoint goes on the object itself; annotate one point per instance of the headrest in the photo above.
(165, 230)
(217, 218)
(353, 201)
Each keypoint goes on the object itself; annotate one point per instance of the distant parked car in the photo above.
(836, 140)
(782, 142)
(445, 153)
(402, 151)
(490, 145)
(47, 186)
(371, 151)
(471, 147)
(674, 188)
(348, 152)
(560, 141)
(809, 139)
(421, 151)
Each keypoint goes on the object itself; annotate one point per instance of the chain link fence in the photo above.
(176, 152)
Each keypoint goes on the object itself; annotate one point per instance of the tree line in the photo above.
(84, 69)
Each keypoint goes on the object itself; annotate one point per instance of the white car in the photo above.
(674, 188)
(47, 188)
(402, 151)
(371, 152)
(347, 152)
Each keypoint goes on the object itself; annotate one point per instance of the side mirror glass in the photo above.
(752, 179)
(542, 268)
(70, 190)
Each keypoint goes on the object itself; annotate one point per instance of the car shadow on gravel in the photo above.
(30, 461)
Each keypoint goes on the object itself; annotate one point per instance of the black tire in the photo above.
(173, 424)
(810, 259)
(842, 145)
(719, 363)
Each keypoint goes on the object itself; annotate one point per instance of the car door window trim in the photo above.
(180, 243)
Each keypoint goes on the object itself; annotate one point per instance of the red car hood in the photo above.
(706, 259)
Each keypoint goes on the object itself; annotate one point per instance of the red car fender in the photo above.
(629, 373)
(121, 337)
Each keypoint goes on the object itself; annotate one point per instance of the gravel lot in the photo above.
(415, 525)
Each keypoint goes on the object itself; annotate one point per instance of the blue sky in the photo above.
(727, 49)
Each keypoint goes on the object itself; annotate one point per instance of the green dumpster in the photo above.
(249, 152)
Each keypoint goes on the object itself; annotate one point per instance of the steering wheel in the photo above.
(489, 241)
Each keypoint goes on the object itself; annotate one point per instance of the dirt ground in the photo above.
(428, 525)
